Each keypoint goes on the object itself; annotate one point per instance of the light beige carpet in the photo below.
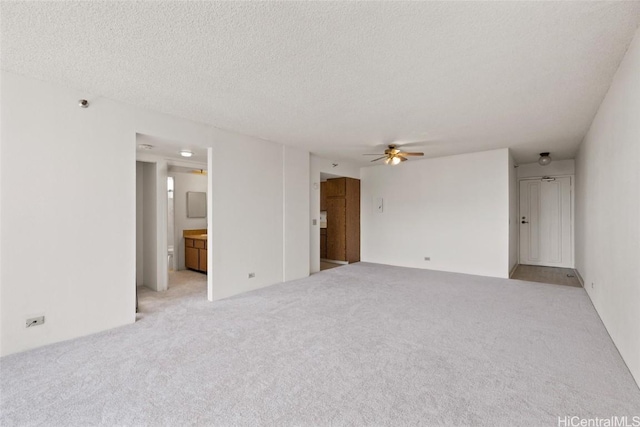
(360, 345)
(182, 283)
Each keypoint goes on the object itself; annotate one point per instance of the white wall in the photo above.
(453, 209)
(248, 230)
(608, 209)
(321, 165)
(154, 220)
(555, 168)
(247, 218)
(69, 241)
(139, 224)
(74, 211)
(514, 221)
(149, 226)
(296, 209)
(184, 182)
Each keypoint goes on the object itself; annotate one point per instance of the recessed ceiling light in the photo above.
(186, 153)
(145, 146)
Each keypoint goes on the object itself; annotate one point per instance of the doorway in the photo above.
(339, 221)
(546, 222)
(188, 227)
(164, 179)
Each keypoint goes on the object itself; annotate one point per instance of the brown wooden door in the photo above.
(336, 229)
(323, 245)
(336, 187)
(353, 220)
(191, 258)
(323, 196)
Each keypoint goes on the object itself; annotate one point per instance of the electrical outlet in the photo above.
(252, 275)
(427, 258)
(591, 285)
(34, 321)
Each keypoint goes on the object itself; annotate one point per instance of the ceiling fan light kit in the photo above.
(393, 160)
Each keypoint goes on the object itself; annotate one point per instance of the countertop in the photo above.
(196, 236)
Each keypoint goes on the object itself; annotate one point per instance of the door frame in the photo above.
(572, 216)
(162, 203)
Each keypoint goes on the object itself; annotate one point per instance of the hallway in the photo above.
(182, 284)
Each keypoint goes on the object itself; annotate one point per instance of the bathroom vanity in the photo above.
(195, 250)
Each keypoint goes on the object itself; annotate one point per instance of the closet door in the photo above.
(336, 229)
(323, 196)
(336, 187)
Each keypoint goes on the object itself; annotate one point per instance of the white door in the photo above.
(545, 222)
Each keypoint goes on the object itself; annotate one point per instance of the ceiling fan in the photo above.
(393, 156)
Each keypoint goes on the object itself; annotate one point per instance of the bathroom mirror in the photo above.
(196, 204)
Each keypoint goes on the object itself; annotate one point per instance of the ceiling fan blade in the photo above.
(422, 143)
(379, 158)
(402, 158)
(411, 154)
(379, 154)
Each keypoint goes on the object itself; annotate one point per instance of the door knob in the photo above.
(525, 222)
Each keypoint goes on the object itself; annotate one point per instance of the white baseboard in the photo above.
(580, 279)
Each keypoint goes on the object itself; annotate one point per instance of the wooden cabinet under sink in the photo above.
(195, 252)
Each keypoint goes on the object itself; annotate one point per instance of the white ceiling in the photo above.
(325, 176)
(170, 150)
(341, 78)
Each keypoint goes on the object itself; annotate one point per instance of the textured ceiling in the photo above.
(343, 78)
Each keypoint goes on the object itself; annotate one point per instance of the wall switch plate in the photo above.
(427, 258)
(34, 321)
(252, 275)
(315, 221)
